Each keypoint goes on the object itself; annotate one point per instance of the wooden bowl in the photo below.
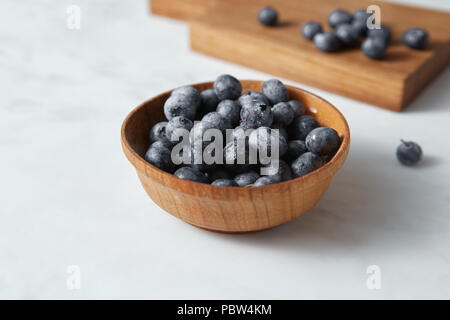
(232, 209)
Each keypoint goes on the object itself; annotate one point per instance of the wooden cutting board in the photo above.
(228, 29)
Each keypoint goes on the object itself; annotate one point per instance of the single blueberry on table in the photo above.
(295, 149)
(256, 114)
(415, 38)
(409, 153)
(209, 102)
(229, 110)
(183, 101)
(246, 178)
(301, 126)
(326, 41)
(227, 87)
(383, 33)
(275, 90)
(177, 127)
(283, 113)
(158, 132)
(264, 139)
(347, 35)
(189, 173)
(297, 107)
(323, 141)
(279, 170)
(160, 156)
(253, 96)
(218, 174)
(268, 16)
(305, 164)
(310, 29)
(224, 183)
(338, 17)
(264, 181)
(374, 48)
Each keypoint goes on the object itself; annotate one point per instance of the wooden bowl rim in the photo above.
(135, 158)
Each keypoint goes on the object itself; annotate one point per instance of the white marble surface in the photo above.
(69, 196)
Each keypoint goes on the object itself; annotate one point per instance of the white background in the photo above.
(69, 196)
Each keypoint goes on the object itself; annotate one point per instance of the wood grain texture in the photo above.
(231, 32)
(232, 209)
(181, 9)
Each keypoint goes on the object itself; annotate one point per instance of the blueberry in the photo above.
(298, 108)
(236, 159)
(361, 15)
(327, 41)
(374, 48)
(162, 143)
(323, 141)
(189, 173)
(310, 29)
(268, 16)
(347, 35)
(415, 38)
(218, 174)
(409, 153)
(283, 113)
(338, 17)
(209, 102)
(295, 149)
(183, 101)
(158, 132)
(360, 27)
(256, 114)
(280, 129)
(264, 181)
(250, 96)
(263, 140)
(301, 126)
(176, 127)
(217, 121)
(275, 90)
(224, 183)
(305, 164)
(227, 87)
(383, 33)
(160, 156)
(229, 110)
(246, 178)
(197, 134)
(279, 170)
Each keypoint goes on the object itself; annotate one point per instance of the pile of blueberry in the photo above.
(348, 29)
(259, 119)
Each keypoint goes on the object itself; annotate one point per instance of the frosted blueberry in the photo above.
(275, 90)
(415, 38)
(263, 140)
(323, 141)
(217, 121)
(246, 178)
(209, 102)
(409, 153)
(256, 114)
(229, 110)
(298, 108)
(283, 113)
(305, 164)
(374, 48)
(279, 170)
(310, 29)
(338, 17)
(301, 126)
(250, 96)
(158, 132)
(224, 183)
(268, 16)
(160, 156)
(183, 101)
(189, 173)
(227, 87)
(175, 128)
